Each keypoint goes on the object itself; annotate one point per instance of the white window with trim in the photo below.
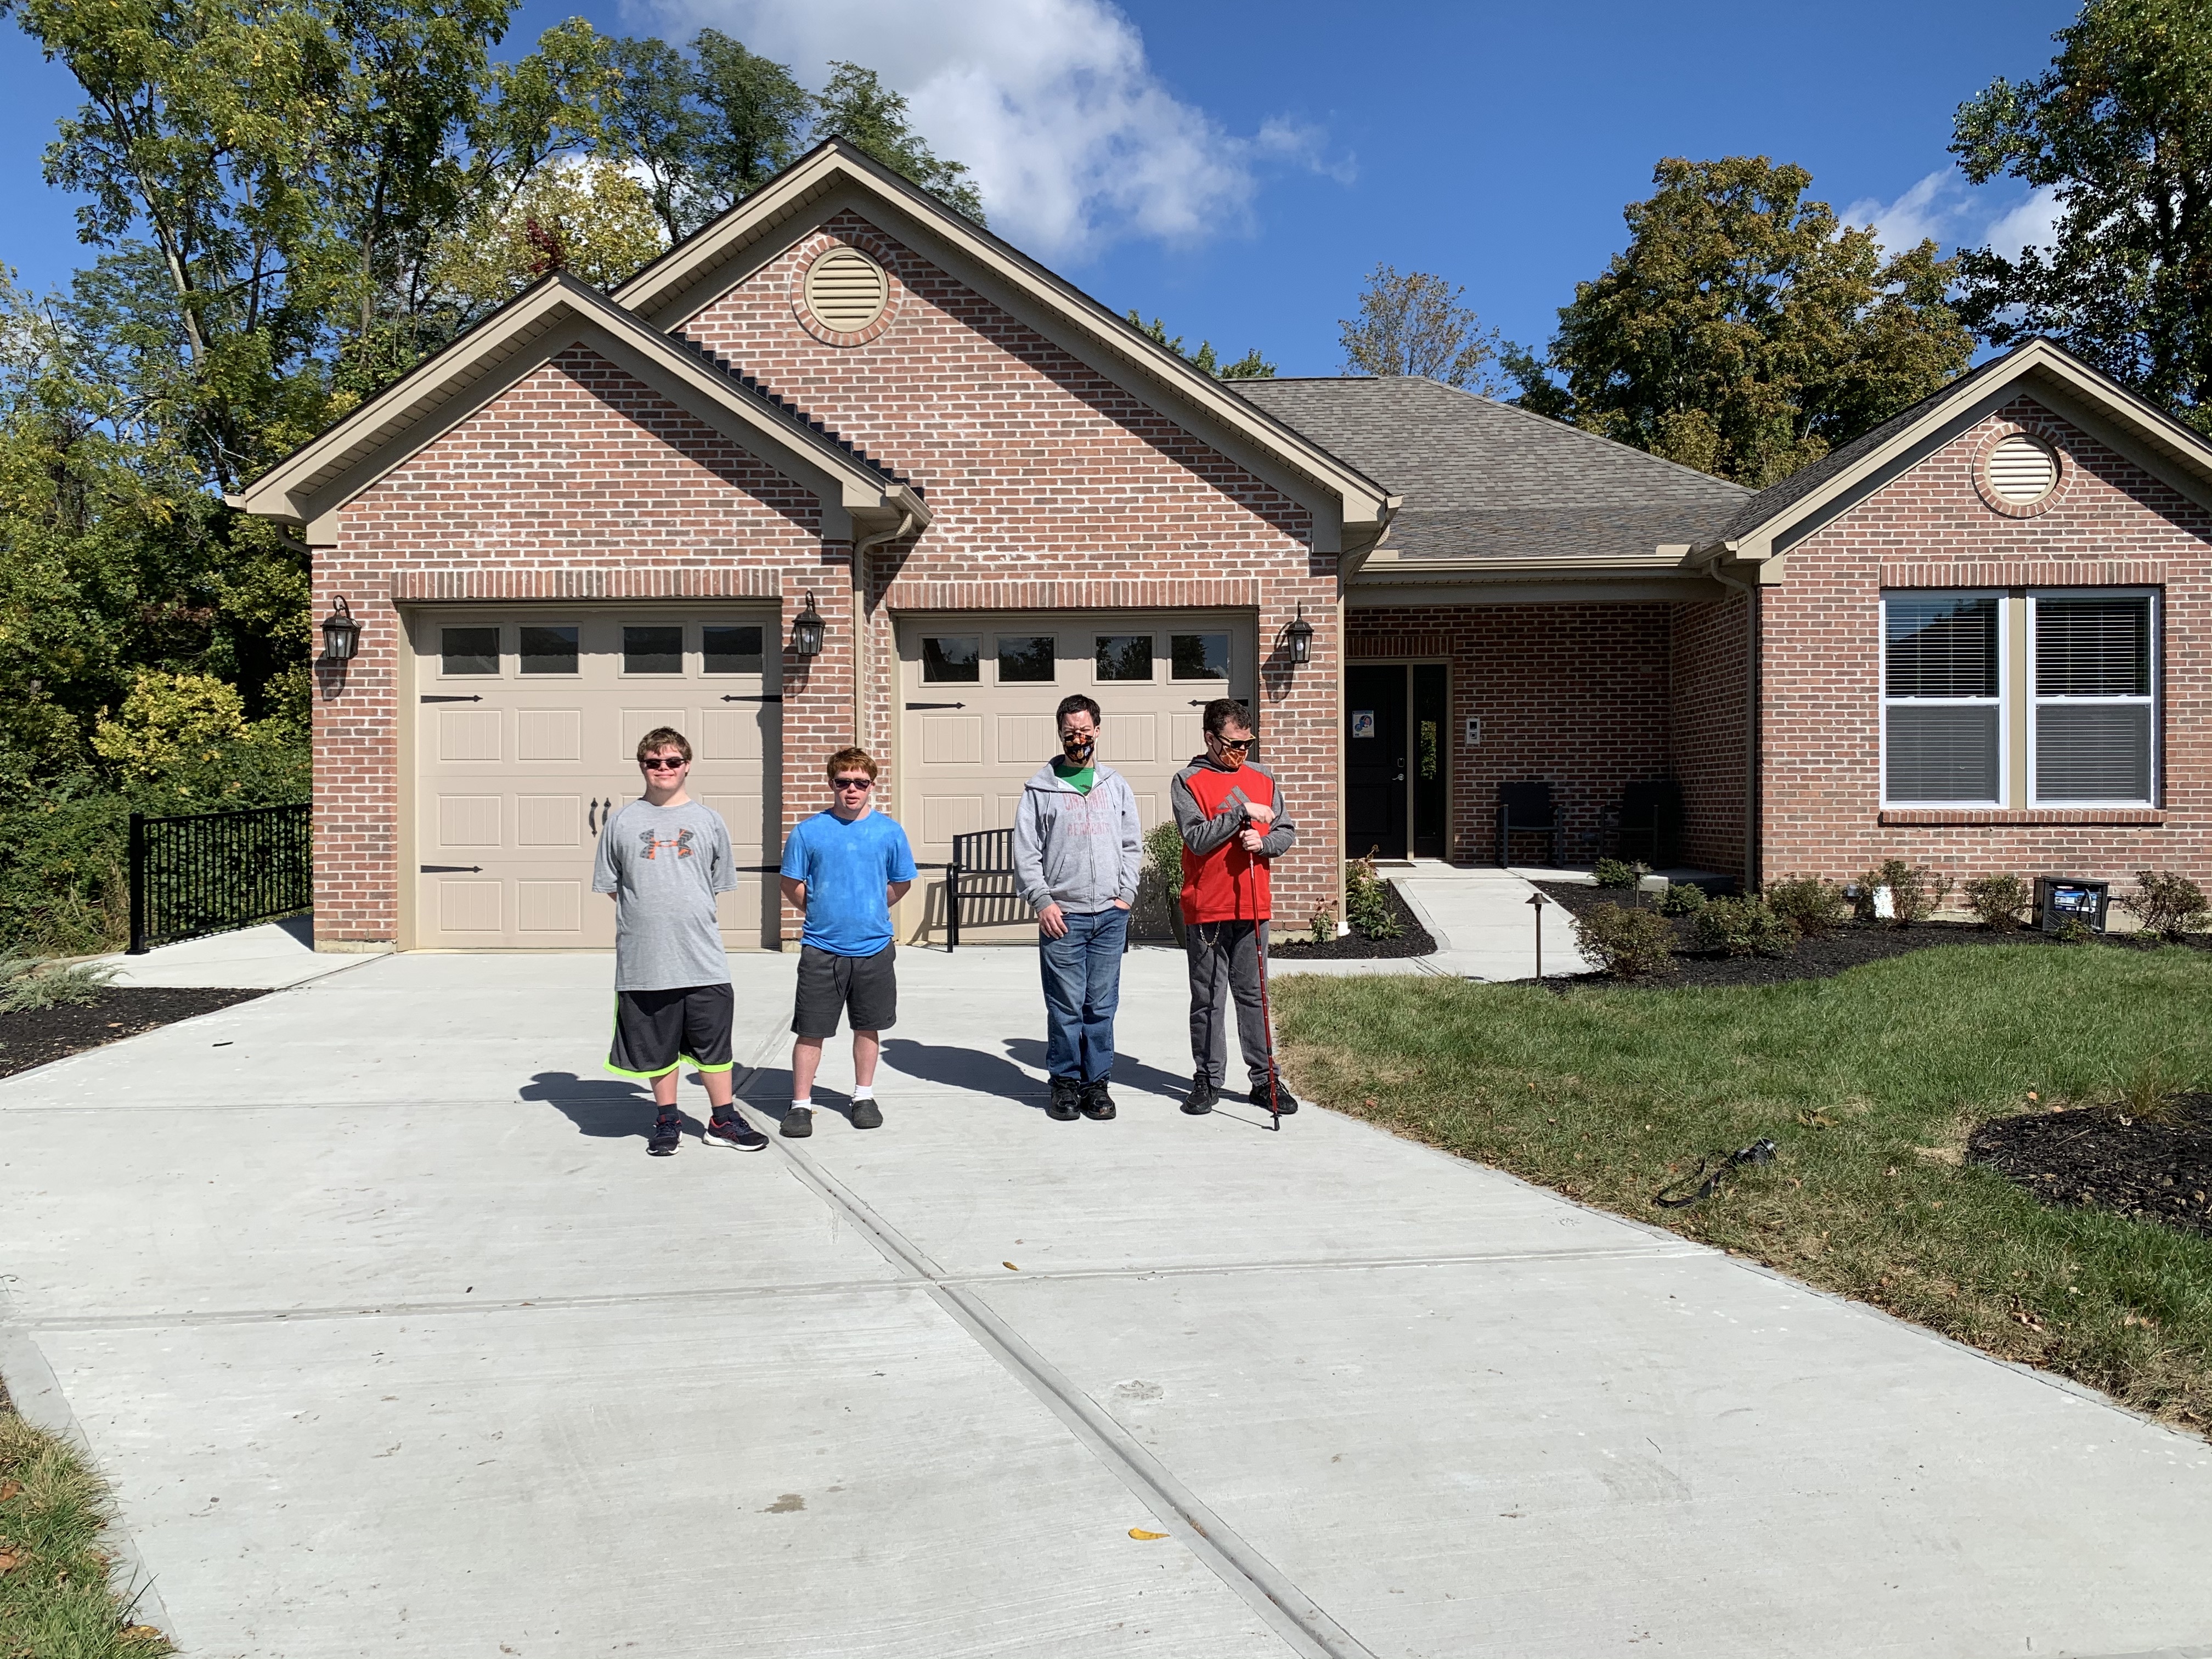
(2042, 698)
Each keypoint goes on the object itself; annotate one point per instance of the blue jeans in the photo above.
(1082, 989)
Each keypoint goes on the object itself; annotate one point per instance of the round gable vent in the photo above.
(2022, 469)
(846, 290)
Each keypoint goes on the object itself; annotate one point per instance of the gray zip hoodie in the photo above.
(1080, 851)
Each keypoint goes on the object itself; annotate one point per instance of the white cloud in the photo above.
(1943, 206)
(1073, 139)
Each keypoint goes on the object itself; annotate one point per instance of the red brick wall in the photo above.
(2109, 522)
(576, 482)
(1576, 693)
(1707, 712)
(1038, 471)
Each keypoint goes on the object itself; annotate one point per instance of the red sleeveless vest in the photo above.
(1229, 883)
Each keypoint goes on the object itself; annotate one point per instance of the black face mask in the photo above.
(1078, 750)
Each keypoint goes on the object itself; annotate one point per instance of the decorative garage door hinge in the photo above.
(765, 697)
(453, 869)
(471, 699)
(937, 705)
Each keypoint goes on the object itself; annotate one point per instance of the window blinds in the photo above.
(2093, 698)
(1942, 647)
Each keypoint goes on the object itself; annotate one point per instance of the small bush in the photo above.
(2075, 931)
(1745, 927)
(1617, 872)
(1999, 900)
(2166, 904)
(1814, 907)
(2147, 1093)
(1683, 898)
(1627, 941)
(1916, 892)
(1367, 901)
(27, 984)
(1324, 925)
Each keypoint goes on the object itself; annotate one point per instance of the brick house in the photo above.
(1975, 637)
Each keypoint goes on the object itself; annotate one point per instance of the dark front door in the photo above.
(1374, 793)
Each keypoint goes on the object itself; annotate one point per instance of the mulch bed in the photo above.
(2098, 1155)
(1287, 946)
(38, 1035)
(1850, 946)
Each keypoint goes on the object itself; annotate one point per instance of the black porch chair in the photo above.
(1527, 808)
(1652, 821)
(982, 867)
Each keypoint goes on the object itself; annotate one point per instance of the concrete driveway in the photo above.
(394, 1341)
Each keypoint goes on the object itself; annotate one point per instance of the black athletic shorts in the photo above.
(656, 1031)
(863, 988)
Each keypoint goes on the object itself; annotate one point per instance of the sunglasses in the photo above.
(854, 783)
(1240, 744)
(664, 763)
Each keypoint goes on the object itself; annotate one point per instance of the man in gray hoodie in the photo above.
(1078, 845)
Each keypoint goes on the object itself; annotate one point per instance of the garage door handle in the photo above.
(771, 696)
(937, 705)
(453, 869)
(453, 700)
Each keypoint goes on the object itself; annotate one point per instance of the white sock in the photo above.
(805, 1105)
(864, 1092)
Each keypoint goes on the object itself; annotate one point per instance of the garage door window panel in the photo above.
(730, 650)
(549, 650)
(468, 650)
(1942, 700)
(1198, 656)
(1025, 659)
(657, 648)
(952, 658)
(1123, 657)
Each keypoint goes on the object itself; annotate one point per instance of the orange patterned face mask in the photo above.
(1078, 746)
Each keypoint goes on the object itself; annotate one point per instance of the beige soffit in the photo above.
(834, 175)
(310, 485)
(1386, 565)
(2072, 389)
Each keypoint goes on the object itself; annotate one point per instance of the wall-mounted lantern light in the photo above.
(806, 630)
(1298, 636)
(341, 634)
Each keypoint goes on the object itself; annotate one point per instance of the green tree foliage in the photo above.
(1412, 323)
(2120, 128)
(1744, 331)
(858, 106)
(1250, 367)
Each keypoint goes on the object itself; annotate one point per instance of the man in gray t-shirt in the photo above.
(663, 857)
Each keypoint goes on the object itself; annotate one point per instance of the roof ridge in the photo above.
(753, 387)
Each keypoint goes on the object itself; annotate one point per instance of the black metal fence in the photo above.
(215, 871)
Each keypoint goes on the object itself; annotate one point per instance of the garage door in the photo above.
(978, 693)
(525, 731)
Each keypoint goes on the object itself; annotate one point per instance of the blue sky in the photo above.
(1237, 168)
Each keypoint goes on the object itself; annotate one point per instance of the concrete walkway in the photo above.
(394, 1341)
(1483, 922)
(269, 958)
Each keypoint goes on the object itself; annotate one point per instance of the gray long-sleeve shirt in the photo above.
(1080, 851)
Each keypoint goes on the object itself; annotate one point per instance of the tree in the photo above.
(1744, 331)
(1250, 367)
(588, 218)
(860, 108)
(2120, 129)
(1413, 324)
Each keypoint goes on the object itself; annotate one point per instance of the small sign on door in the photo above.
(1363, 723)
(1473, 731)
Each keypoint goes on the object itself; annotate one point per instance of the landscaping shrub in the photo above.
(1683, 898)
(2075, 931)
(1916, 892)
(1998, 900)
(1367, 901)
(1814, 907)
(2166, 904)
(1626, 940)
(1324, 925)
(1745, 927)
(1160, 883)
(1617, 872)
(28, 984)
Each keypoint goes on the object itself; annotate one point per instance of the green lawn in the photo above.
(1869, 1083)
(56, 1598)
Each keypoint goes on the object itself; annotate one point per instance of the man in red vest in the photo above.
(1233, 820)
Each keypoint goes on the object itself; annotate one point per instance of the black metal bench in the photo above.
(982, 867)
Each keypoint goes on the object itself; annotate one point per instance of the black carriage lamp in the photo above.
(806, 630)
(341, 634)
(1298, 636)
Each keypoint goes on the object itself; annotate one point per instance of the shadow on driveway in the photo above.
(600, 1107)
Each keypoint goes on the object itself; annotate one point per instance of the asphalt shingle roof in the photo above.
(1485, 480)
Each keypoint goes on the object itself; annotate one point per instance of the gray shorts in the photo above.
(863, 988)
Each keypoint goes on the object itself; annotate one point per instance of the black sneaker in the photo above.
(1199, 1101)
(1097, 1105)
(734, 1132)
(798, 1123)
(1061, 1107)
(1286, 1102)
(667, 1135)
(866, 1115)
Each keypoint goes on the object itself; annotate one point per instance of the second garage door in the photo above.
(977, 694)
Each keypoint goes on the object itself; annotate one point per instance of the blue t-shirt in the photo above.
(846, 867)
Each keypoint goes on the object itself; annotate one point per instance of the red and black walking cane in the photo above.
(1260, 955)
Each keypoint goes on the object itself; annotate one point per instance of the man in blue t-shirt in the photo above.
(844, 868)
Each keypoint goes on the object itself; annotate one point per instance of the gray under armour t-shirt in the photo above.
(665, 865)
